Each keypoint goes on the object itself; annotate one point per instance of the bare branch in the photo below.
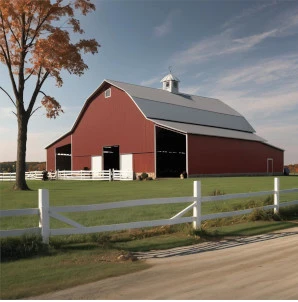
(8, 96)
(27, 78)
(38, 27)
(7, 58)
(38, 86)
(14, 113)
(12, 32)
(35, 110)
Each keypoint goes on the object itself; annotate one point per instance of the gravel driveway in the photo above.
(258, 267)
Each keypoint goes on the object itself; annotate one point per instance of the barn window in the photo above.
(167, 84)
(108, 93)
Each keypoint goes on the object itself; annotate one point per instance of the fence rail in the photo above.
(73, 175)
(45, 212)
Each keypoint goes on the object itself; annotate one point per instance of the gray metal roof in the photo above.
(210, 131)
(184, 108)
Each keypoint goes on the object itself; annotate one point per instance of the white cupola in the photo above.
(170, 83)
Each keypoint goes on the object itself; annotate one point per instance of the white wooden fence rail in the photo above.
(45, 212)
(73, 175)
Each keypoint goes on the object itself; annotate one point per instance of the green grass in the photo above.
(30, 277)
(78, 259)
(251, 228)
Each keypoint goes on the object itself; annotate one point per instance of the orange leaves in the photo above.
(52, 107)
(84, 5)
(88, 46)
(35, 42)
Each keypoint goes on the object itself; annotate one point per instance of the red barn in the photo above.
(162, 132)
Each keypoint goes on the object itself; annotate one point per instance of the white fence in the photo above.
(45, 212)
(73, 175)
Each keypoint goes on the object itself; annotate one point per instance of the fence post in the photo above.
(44, 217)
(276, 195)
(197, 206)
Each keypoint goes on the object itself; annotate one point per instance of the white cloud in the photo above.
(227, 42)
(151, 81)
(249, 12)
(166, 27)
(219, 45)
(269, 70)
(194, 89)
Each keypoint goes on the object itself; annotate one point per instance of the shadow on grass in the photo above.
(212, 245)
(254, 230)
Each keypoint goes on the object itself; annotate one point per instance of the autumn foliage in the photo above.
(35, 44)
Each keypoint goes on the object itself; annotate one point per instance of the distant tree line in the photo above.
(30, 166)
(293, 168)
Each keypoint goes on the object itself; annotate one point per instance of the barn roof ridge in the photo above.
(160, 89)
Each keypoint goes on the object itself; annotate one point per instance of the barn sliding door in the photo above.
(170, 153)
(96, 163)
(126, 162)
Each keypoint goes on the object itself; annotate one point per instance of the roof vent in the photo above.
(170, 83)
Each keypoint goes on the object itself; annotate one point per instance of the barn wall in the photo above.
(215, 155)
(51, 152)
(113, 121)
(143, 163)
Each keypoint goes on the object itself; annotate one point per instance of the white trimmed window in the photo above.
(108, 93)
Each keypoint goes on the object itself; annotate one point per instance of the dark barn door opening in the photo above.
(111, 157)
(170, 153)
(63, 158)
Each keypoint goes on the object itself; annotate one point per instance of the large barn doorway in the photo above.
(170, 153)
(111, 157)
(63, 158)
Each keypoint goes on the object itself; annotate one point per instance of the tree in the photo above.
(35, 45)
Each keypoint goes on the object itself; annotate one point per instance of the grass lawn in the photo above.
(74, 260)
(30, 277)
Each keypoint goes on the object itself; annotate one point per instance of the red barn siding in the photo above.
(51, 152)
(113, 121)
(215, 155)
(143, 162)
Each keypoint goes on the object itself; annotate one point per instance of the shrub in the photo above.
(259, 214)
(13, 248)
(144, 175)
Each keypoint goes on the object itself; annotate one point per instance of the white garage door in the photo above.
(96, 163)
(126, 162)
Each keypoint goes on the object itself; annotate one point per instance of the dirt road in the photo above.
(249, 269)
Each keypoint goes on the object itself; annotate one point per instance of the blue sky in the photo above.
(244, 53)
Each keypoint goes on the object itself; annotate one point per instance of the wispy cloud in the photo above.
(151, 81)
(267, 88)
(249, 12)
(166, 27)
(228, 41)
(219, 45)
(193, 89)
(283, 68)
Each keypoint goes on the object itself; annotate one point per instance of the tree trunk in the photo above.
(21, 153)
